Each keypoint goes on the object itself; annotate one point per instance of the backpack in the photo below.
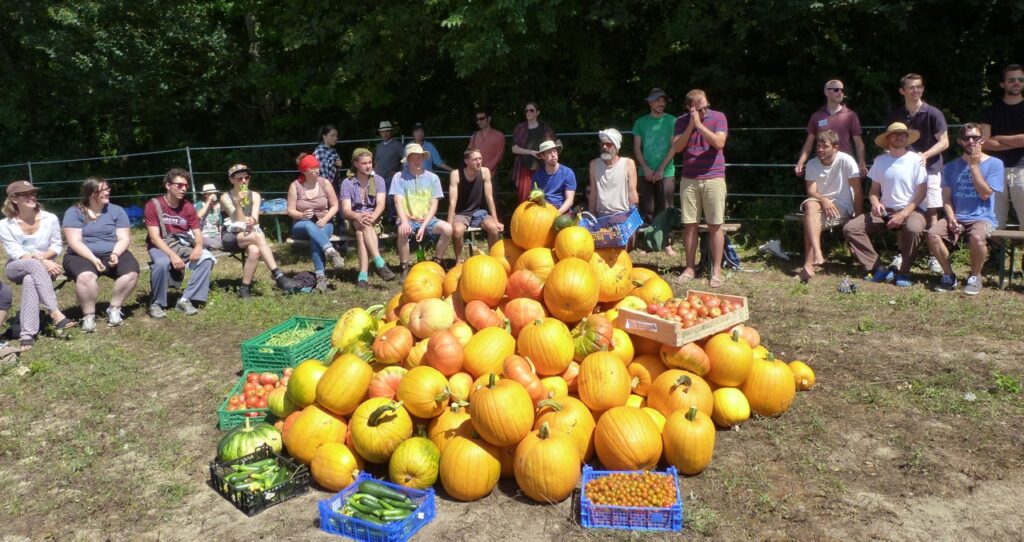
(654, 237)
(730, 258)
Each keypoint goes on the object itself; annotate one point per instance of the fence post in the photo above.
(188, 157)
(30, 180)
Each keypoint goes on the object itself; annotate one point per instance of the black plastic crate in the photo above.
(254, 503)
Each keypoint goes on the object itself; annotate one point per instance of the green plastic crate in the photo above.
(257, 355)
(228, 419)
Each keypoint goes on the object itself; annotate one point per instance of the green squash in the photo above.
(415, 463)
(244, 439)
(564, 221)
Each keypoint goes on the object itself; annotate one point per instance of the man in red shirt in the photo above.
(488, 140)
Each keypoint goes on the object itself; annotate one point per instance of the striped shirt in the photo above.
(700, 159)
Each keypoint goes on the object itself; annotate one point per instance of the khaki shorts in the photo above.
(933, 198)
(474, 220)
(980, 228)
(829, 223)
(705, 197)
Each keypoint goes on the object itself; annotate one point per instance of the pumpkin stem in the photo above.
(443, 396)
(770, 357)
(492, 381)
(634, 382)
(375, 416)
(736, 335)
(329, 358)
(692, 413)
(683, 380)
(537, 195)
(544, 432)
(550, 403)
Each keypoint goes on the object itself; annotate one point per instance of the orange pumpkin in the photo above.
(770, 387)
(506, 252)
(524, 283)
(538, 260)
(390, 311)
(545, 465)
(689, 357)
(501, 411)
(486, 352)
(748, 334)
(460, 384)
(470, 468)
(344, 384)
(689, 440)
(416, 354)
(532, 223)
(521, 312)
(571, 290)
(425, 284)
(626, 438)
(428, 266)
(731, 359)
(424, 392)
(385, 380)
(548, 344)
(676, 389)
(334, 466)
(462, 331)
(450, 284)
(651, 289)
(574, 242)
(454, 421)
(444, 353)
(645, 346)
(484, 279)
(313, 426)
(612, 267)
(570, 416)
(393, 345)
(622, 346)
(642, 372)
(480, 315)
(603, 382)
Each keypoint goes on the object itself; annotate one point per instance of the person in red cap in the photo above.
(312, 204)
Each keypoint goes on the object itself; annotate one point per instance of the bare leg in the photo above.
(716, 238)
(812, 237)
(938, 249)
(458, 237)
(490, 225)
(371, 242)
(690, 240)
(979, 251)
(252, 259)
(123, 287)
(403, 248)
(444, 231)
(87, 289)
(364, 259)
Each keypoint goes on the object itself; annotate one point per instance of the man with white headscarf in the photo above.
(612, 177)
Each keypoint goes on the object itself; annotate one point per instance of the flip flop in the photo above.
(64, 324)
(685, 276)
(715, 282)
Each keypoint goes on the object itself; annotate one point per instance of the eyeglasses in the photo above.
(27, 195)
(606, 144)
(834, 89)
(971, 138)
(179, 185)
(104, 190)
(243, 178)
(1015, 79)
(530, 110)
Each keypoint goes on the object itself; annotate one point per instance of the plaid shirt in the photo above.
(327, 157)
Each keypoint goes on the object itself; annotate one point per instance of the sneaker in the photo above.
(847, 287)
(946, 284)
(89, 323)
(774, 247)
(286, 284)
(185, 305)
(156, 311)
(933, 265)
(245, 291)
(363, 285)
(904, 281)
(405, 271)
(973, 286)
(321, 283)
(882, 274)
(114, 316)
(336, 260)
(897, 262)
(385, 273)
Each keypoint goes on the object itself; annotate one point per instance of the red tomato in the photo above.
(694, 301)
(652, 308)
(687, 323)
(715, 312)
(268, 378)
(684, 305)
(251, 402)
(713, 303)
(726, 309)
(267, 388)
(662, 312)
(250, 386)
(283, 383)
(262, 403)
(288, 371)
(234, 401)
(702, 311)
(252, 377)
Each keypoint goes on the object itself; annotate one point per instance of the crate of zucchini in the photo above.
(288, 344)
(259, 480)
(374, 511)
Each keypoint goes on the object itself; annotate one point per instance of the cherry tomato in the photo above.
(652, 308)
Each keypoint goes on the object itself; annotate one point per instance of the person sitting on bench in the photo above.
(472, 192)
(363, 200)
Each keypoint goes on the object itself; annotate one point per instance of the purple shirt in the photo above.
(363, 200)
(844, 122)
(929, 121)
(700, 159)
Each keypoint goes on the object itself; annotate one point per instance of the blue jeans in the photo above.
(319, 240)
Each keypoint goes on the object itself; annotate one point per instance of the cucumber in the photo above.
(379, 490)
(367, 517)
(399, 504)
(394, 515)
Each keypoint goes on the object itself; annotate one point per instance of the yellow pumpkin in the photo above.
(531, 224)
(731, 407)
(304, 381)
(486, 351)
(676, 389)
(689, 440)
(548, 344)
(425, 284)
(506, 252)
(770, 387)
(651, 289)
(556, 386)
(570, 416)
(334, 466)
(658, 417)
(344, 384)
(460, 384)
(571, 291)
(430, 316)
(470, 468)
(538, 261)
(622, 346)
(483, 278)
(462, 331)
(313, 426)
(642, 372)
(545, 465)
(730, 359)
(501, 412)
(603, 381)
(416, 354)
(415, 463)
(450, 284)
(424, 392)
(803, 375)
(626, 438)
(452, 422)
(612, 267)
(574, 242)
(378, 426)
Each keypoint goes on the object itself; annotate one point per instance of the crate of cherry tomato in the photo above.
(631, 500)
(250, 397)
(684, 320)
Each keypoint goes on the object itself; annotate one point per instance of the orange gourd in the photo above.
(501, 411)
(676, 389)
(522, 311)
(334, 466)
(689, 357)
(570, 376)
(689, 440)
(486, 351)
(574, 242)
(480, 315)
(313, 426)
(393, 345)
(571, 290)
(545, 465)
(518, 368)
(532, 222)
(344, 384)
(548, 344)
(483, 278)
(803, 375)
(470, 468)
(731, 359)
(604, 381)
(444, 353)
(385, 380)
(626, 438)
(570, 416)
(525, 283)
(612, 267)
(424, 392)
(770, 387)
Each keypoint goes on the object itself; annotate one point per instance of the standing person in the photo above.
(417, 191)
(557, 181)
(330, 161)
(612, 177)
(1002, 131)
(526, 139)
(471, 190)
(837, 117)
(210, 216)
(931, 124)
(434, 159)
(700, 135)
(174, 236)
(31, 238)
(98, 234)
(969, 185)
(489, 141)
(835, 192)
(362, 204)
(242, 233)
(899, 182)
(387, 156)
(312, 205)
(652, 146)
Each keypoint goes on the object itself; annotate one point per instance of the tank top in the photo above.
(471, 193)
(319, 203)
(228, 204)
(612, 188)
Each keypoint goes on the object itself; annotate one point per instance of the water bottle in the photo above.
(421, 255)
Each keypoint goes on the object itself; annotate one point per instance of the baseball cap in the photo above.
(656, 93)
(20, 187)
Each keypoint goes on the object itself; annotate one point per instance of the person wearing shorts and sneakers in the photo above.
(363, 198)
(98, 234)
(416, 192)
(898, 186)
(471, 189)
(969, 186)
(701, 134)
(835, 195)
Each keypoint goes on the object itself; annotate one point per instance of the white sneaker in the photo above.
(933, 265)
(89, 323)
(185, 305)
(897, 262)
(774, 247)
(114, 316)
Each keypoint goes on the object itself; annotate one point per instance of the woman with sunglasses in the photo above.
(526, 139)
(98, 234)
(312, 204)
(31, 238)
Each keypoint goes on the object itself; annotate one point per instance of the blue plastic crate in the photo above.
(613, 230)
(334, 522)
(629, 517)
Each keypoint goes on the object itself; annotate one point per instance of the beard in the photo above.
(607, 156)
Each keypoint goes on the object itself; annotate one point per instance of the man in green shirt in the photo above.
(652, 147)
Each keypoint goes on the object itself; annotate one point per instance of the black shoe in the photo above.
(385, 273)
(363, 285)
(286, 284)
(245, 291)
(405, 271)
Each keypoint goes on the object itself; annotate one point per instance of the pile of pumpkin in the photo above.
(509, 365)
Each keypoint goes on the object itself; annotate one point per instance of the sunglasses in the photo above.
(971, 138)
(1015, 79)
(834, 89)
(27, 195)
(481, 119)
(531, 110)
(179, 185)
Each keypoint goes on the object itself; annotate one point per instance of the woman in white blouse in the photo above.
(31, 238)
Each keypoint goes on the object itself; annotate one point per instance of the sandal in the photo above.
(715, 282)
(685, 276)
(65, 324)
(27, 342)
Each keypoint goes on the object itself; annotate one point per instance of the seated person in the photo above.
(416, 192)
(898, 186)
(312, 204)
(171, 223)
(835, 190)
(612, 178)
(211, 216)
(969, 185)
(242, 232)
(98, 234)
(31, 238)
(470, 188)
(557, 181)
(363, 199)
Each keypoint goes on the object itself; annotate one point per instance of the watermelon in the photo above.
(244, 439)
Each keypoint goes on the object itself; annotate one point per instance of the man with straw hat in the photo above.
(898, 185)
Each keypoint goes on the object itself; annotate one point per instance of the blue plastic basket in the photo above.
(613, 230)
(629, 518)
(334, 522)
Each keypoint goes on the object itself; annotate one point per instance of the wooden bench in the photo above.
(1009, 239)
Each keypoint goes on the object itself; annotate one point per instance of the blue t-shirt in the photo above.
(967, 204)
(554, 186)
(100, 235)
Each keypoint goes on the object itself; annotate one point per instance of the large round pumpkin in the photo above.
(592, 334)
(731, 359)
(770, 387)
(731, 407)
(303, 382)
(604, 381)
(525, 283)
(570, 416)
(486, 351)
(538, 261)
(676, 389)
(424, 392)
(430, 316)
(546, 468)
(392, 346)
(574, 242)
(378, 427)
(531, 224)
(612, 266)
(423, 283)
(444, 353)
(452, 422)
(571, 290)
(483, 278)
(506, 252)
(548, 344)
(651, 289)
(501, 411)
(689, 357)
(313, 427)
(334, 466)
(470, 468)
(385, 380)
(689, 440)
(626, 438)
(521, 312)
(415, 463)
(344, 384)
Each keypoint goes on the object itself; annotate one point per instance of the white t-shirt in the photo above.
(834, 181)
(898, 177)
(17, 244)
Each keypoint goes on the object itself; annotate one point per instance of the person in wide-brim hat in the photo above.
(546, 146)
(416, 148)
(882, 139)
